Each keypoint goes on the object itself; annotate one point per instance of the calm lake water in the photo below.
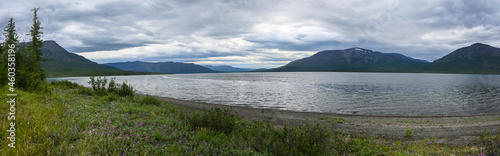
(350, 93)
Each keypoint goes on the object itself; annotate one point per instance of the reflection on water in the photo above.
(362, 93)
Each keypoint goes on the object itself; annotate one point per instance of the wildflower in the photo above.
(347, 140)
(138, 135)
(138, 142)
(140, 124)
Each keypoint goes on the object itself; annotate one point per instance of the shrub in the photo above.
(65, 84)
(126, 90)
(408, 132)
(112, 86)
(216, 119)
(84, 91)
(98, 85)
(149, 100)
(122, 90)
(490, 144)
(302, 140)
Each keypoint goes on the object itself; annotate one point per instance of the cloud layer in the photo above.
(257, 33)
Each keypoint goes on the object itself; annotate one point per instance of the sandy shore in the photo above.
(459, 130)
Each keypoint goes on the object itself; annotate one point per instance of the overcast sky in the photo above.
(256, 33)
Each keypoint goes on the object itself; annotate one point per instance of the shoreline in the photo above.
(448, 129)
(196, 104)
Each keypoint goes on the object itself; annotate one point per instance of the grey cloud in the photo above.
(405, 27)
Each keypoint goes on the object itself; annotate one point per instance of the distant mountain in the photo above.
(477, 58)
(53, 51)
(226, 68)
(355, 60)
(161, 67)
(63, 63)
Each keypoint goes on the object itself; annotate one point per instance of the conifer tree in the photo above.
(35, 47)
(11, 37)
(32, 73)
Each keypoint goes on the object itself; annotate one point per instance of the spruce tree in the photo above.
(11, 37)
(34, 53)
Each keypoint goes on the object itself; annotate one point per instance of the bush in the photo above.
(216, 119)
(490, 144)
(112, 86)
(98, 85)
(65, 84)
(149, 100)
(84, 91)
(125, 90)
(408, 132)
(301, 140)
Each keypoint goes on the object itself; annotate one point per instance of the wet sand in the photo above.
(455, 130)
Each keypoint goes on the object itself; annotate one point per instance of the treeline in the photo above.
(20, 63)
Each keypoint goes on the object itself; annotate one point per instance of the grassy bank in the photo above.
(67, 119)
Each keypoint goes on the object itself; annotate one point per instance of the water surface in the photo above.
(352, 93)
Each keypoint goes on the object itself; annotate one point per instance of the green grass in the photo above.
(68, 119)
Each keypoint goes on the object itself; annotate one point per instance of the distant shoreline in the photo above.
(450, 129)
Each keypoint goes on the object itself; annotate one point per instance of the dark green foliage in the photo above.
(126, 90)
(112, 86)
(122, 90)
(84, 91)
(216, 119)
(149, 100)
(34, 49)
(283, 140)
(490, 144)
(28, 73)
(65, 84)
(11, 38)
(98, 85)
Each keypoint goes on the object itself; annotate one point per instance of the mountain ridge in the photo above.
(161, 67)
(353, 59)
(61, 63)
(477, 58)
(227, 68)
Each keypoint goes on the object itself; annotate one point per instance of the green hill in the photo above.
(354, 60)
(478, 58)
(65, 64)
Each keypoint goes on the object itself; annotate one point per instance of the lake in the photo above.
(335, 92)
